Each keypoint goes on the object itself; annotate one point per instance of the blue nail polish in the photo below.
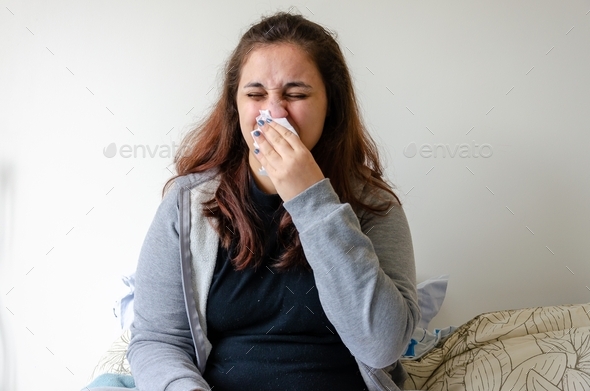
(256, 151)
(269, 120)
(257, 133)
(260, 122)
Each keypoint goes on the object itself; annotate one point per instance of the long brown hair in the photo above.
(345, 152)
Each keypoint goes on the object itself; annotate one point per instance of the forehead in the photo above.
(274, 65)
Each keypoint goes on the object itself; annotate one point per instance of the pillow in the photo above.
(431, 294)
(123, 308)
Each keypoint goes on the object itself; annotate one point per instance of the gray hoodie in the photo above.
(364, 273)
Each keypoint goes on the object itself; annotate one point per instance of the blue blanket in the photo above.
(111, 381)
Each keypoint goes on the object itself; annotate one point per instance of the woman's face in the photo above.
(283, 79)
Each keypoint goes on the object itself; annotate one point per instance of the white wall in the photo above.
(78, 76)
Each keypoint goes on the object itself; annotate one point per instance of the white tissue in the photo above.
(264, 115)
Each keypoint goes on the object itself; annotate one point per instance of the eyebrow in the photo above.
(288, 85)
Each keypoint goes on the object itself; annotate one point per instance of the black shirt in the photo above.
(268, 329)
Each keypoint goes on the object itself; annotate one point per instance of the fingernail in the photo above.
(256, 151)
(268, 120)
(257, 133)
(260, 122)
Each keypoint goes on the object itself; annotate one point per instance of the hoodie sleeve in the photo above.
(364, 271)
(161, 352)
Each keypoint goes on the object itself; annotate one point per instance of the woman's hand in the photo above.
(289, 164)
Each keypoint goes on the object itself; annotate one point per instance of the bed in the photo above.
(540, 348)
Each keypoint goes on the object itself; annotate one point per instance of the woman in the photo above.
(303, 273)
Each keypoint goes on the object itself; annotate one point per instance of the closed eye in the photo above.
(288, 96)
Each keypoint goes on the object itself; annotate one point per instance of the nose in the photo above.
(277, 108)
